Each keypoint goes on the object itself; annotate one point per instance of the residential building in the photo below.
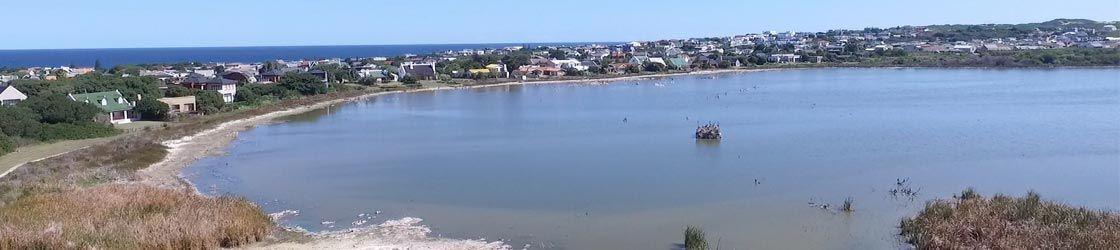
(226, 87)
(784, 58)
(117, 109)
(569, 64)
(11, 96)
(239, 76)
(420, 71)
(181, 105)
(379, 75)
(679, 63)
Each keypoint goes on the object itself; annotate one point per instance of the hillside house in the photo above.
(226, 87)
(420, 71)
(181, 105)
(11, 96)
(117, 109)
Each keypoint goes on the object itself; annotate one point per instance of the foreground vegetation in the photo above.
(1003, 222)
(80, 183)
(130, 217)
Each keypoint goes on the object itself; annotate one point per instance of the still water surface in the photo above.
(614, 166)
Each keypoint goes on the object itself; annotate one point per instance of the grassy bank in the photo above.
(130, 217)
(70, 200)
(1003, 222)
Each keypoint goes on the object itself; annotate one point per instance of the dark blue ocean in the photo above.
(110, 57)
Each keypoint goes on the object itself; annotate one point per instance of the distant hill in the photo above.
(986, 31)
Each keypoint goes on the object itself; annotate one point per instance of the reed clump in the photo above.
(1004, 222)
(695, 238)
(119, 216)
(847, 205)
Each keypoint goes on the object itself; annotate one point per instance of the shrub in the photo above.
(69, 131)
(305, 84)
(178, 91)
(6, 144)
(60, 109)
(151, 109)
(695, 239)
(246, 95)
(410, 80)
(209, 101)
(19, 121)
(1004, 222)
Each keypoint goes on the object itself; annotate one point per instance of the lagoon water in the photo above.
(614, 166)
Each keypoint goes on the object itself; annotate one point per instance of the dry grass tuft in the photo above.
(1003, 222)
(116, 216)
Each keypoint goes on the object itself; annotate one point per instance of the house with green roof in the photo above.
(680, 63)
(113, 103)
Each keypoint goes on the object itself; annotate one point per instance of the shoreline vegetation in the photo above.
(128, 192)
(1004, 222)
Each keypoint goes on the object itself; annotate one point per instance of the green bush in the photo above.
(178, 91)
(409, 81)
(305, 84)
(151, 109)
(6, 144)
(695, 238)
(246, 95)
(147, 87)
(19, 121)
(209, 101)
(60, 109)
(67, 131)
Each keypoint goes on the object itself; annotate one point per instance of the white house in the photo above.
(570, 64)
(784, 58)
(11, 96)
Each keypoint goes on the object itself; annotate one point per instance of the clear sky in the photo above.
(45, 24)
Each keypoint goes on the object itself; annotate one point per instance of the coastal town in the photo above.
(151, 112)
(972, 45)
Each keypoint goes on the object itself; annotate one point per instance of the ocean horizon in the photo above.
(244, 54)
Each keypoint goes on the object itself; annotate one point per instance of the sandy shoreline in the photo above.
(405, 233)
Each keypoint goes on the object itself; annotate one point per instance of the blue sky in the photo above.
(45, 24)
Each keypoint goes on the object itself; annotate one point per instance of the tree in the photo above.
(6, 144)
(209, 101)
(60, 109)
(653, 67)
(246, 95)
(97, 66)
(178, 91)
(19, 121)
(305, 84)
(130, 87)
(43, 88)
(151, 109)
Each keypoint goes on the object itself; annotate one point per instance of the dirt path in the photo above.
(23, 155)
